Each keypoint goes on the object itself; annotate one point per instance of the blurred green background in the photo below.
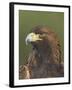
(30, 19)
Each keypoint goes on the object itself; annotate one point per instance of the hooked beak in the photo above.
(32, 37)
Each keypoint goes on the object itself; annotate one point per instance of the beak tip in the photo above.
(26, 41)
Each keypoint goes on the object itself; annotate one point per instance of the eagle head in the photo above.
(38, 34)
(46, 42)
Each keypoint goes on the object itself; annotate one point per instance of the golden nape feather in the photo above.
(45, 59)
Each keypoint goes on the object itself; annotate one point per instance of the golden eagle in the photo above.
(45, 60)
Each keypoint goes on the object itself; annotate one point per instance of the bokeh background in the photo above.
(30, 19)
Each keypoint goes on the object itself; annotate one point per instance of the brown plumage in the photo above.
(45, 60)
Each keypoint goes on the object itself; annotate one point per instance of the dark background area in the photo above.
(30, 19)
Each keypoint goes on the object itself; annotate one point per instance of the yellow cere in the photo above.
(35, 37)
